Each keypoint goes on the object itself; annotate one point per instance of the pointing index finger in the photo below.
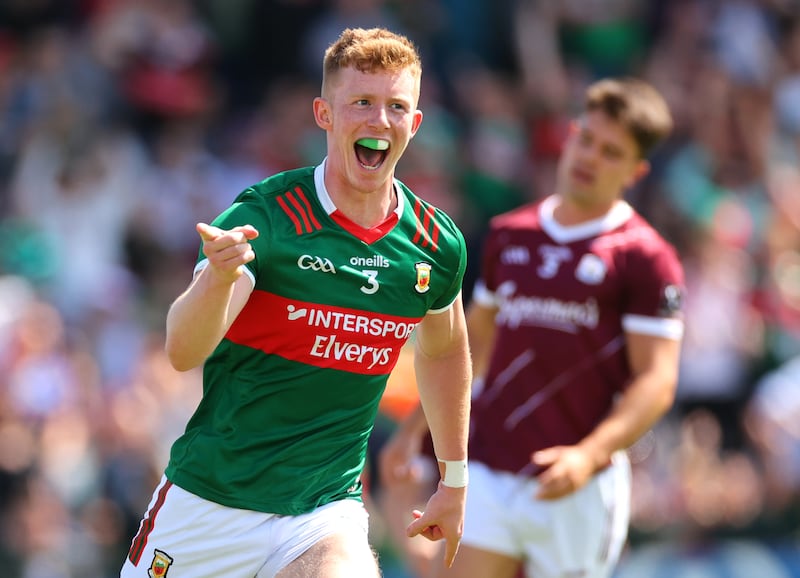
(207, 232)
(451, 549)
(211, 233)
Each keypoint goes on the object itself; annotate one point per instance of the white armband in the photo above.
(456, 473)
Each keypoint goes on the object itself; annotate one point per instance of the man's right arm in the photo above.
(199, 318)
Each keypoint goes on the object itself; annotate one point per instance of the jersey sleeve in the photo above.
(655, 291)
(455, 258)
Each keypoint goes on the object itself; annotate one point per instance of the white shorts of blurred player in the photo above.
(579, 535)
(183, 535)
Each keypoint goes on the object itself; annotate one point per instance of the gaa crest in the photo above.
(423, 277)
(160, 564)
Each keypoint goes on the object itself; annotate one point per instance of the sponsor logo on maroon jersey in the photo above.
(545, 311)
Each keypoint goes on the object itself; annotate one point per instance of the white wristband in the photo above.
(456, 473)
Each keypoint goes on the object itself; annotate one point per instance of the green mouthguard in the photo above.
(373, 143)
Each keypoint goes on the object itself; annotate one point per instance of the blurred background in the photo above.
(124, 122)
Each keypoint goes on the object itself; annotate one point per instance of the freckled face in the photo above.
(599, 162)
(376, 105)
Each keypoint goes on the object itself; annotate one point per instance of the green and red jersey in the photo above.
(291, 392)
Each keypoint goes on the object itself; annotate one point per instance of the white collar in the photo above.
(327, 202)
(615, 217)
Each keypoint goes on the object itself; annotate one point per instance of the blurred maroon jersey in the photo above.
(566, 297)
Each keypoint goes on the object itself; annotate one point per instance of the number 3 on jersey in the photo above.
(372, 283)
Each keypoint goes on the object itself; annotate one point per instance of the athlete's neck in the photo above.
(367, 210)
(567, 213)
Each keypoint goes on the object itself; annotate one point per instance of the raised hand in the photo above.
(227, 250)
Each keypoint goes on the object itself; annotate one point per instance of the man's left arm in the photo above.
(654, 365)
(443, 370)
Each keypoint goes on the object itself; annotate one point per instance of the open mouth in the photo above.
(583, 176)
(371, 152)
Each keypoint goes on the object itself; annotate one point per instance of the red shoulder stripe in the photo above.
(297, 226)
(426, 221)
(435, 235)
(311, 216)
(299, 208)
(299, 211)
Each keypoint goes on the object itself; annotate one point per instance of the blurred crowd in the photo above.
(125, 122)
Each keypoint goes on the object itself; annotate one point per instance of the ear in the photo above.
(574, 126)
(416, 122)
(641, 170)
(322, 113)
(572, 132)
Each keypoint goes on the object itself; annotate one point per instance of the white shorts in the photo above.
(185, 536)
(579, 535)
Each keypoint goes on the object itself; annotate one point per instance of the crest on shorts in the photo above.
(423, 277)
(160, 565)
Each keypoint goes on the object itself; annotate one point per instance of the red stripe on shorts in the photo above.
(147, 525)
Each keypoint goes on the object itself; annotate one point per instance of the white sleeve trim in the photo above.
(204, 263)
(656, 326)
(482, 295)
(445, 308)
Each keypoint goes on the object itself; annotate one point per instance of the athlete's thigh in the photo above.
(338, 555)
(329, 542)
(473, 562)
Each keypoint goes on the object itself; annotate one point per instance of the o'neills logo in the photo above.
(160, 564)
(374, 261)
(423, 277)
